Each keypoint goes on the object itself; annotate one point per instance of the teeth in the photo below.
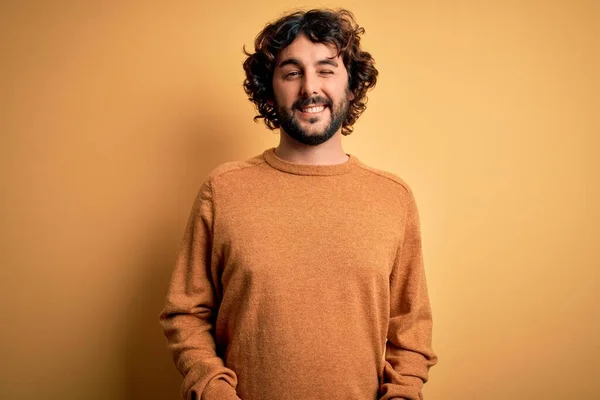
(313, 109)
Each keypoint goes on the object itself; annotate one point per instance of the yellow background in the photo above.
(112, 114)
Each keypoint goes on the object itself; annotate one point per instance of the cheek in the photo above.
(337, 94)
(338, 89)
(282, 94)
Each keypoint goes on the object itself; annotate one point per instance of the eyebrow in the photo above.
(297, 63)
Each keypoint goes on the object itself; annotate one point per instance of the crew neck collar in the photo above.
(309, 169)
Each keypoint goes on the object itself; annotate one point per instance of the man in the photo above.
(300, 275)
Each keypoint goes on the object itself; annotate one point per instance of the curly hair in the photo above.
(337, 28)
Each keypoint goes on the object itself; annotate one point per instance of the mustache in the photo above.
(312, 100)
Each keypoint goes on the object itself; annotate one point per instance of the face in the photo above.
(310, 86)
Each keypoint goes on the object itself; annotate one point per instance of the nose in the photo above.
(309, 84)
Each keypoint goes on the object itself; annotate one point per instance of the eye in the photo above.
(292, 74)
(326, 72)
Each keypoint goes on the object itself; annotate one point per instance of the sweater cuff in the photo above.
(219, 389)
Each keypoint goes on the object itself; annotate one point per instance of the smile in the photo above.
(313, 109)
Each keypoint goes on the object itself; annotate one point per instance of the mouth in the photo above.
(312, 109)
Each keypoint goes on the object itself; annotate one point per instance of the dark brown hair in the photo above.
(337, 28)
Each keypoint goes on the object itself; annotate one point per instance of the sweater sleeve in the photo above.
(408, 353)
(191, 307)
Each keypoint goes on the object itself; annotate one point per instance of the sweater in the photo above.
(300, 281)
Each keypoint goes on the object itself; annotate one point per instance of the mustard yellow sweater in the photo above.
(300, 282)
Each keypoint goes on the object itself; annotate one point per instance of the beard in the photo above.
(290, 124)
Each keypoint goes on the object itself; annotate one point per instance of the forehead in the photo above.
(307, 52)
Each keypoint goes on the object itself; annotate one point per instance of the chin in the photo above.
(317, 125)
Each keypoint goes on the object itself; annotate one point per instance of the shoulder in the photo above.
(386, 177)
(232, 167)
(226, 169)
(392, 188)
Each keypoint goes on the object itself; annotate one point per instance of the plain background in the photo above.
(112, 115)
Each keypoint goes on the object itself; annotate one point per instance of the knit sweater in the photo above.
(300, 281)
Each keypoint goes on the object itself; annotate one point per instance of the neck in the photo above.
(328, 153)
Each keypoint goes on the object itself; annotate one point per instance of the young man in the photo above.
(300, 275)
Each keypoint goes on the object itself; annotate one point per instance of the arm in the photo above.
(408, 349)
(190, 310)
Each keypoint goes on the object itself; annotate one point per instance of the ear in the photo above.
(270, 102)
